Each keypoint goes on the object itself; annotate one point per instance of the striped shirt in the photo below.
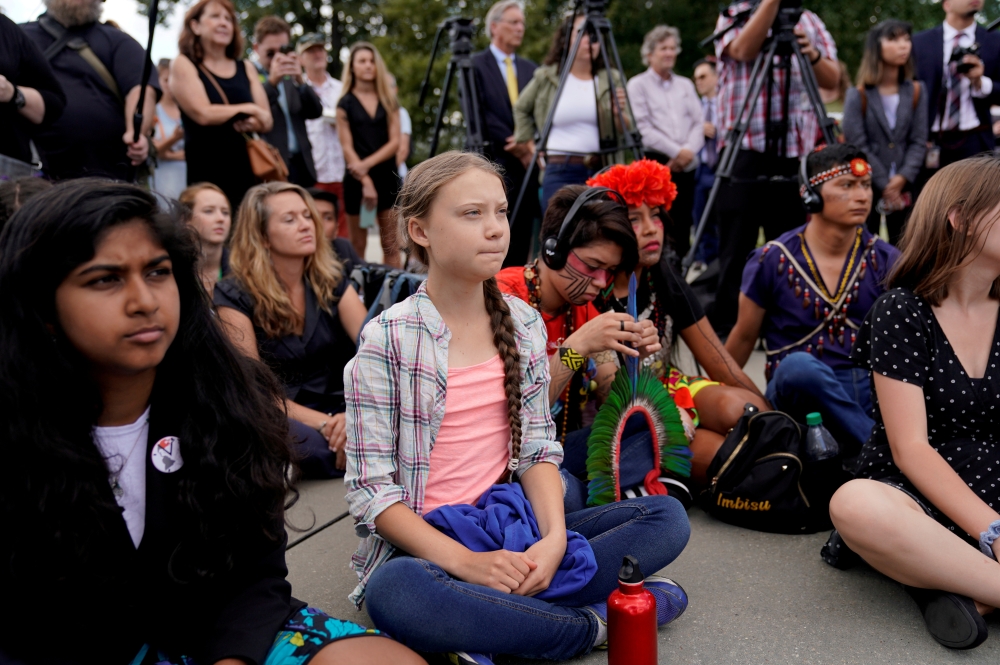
(734, 84)
(395, 391)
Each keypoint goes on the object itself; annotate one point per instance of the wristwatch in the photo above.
(17, 99)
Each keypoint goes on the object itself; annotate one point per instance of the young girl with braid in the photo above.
(447, 396)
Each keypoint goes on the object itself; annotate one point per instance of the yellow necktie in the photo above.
(511, 80)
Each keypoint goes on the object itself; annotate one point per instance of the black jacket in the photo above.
(928, 47)
(494, 101)
(104, 607)
(303, 104)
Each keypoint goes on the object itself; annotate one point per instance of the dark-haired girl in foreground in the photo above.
(145, 520)
(446, 397)
(924, 510)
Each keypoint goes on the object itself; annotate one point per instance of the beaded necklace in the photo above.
(533, 281)
(847, 272)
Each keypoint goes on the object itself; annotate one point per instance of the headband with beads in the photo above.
(858, 168)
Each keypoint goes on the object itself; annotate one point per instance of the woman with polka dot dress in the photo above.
(924, 509)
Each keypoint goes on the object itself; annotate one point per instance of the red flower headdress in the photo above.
(641, 181)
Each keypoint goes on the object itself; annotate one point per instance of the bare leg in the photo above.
(721, 407)
(371, 650)
(896, 537)
(387, 231)
(706, 443)
(359, 236)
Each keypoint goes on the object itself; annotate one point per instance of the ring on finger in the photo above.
(623, 325)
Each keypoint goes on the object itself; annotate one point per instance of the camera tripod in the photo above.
(460, 35)
(775, 56)
(598, 27)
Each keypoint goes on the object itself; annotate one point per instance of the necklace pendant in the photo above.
(805, 299)
(798, 287)
(840, 338)
(116, 488)
(874, 260)
(815, 303)
(791, 275)
(781, 264)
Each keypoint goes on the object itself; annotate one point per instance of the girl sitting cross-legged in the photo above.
(145, 521)
(447, 397)
(924, 509)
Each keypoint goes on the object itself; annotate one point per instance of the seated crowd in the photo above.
(583, 397)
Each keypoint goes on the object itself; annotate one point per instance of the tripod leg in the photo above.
(633, 139)
(812, 90)
(469, 100)
(734, 140)
(439, 120)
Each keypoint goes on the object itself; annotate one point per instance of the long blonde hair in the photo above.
(932, 249)
(250, 262)
(382, 88)
(419, 190)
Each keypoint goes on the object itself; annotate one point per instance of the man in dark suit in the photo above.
(500, 76)
(293, 101)
(959, 103)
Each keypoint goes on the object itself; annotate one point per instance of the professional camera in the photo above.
(286, 49)
(959, 54)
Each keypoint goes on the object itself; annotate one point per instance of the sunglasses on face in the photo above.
(603, 275)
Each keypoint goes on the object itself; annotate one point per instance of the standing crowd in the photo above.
(194, 295)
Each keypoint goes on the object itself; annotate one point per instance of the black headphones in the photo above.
(811, 198)
(555, 249)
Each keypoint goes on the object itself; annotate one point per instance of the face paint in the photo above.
(578, 277)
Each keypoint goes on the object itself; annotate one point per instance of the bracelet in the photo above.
(819, 56)
(320, 427)
(571, 358)
(987, 538)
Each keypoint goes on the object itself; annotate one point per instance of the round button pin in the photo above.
(166, 455)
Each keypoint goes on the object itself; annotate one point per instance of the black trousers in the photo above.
(681, 212)
(298, 172)
(749, 201)
(521, 228)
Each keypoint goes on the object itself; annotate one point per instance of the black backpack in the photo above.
(758, 479)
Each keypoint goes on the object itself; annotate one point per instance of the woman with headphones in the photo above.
(807, 292)
(586, 239)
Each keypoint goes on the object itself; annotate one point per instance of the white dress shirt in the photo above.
(328, 155)
(500, 56)
(969, 119)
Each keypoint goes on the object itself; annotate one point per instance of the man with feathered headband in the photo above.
(715, 403)
(807, 292)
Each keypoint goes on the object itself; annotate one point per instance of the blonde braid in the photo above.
(506, 343)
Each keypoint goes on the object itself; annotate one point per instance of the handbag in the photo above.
(265, 160)
(759, 480)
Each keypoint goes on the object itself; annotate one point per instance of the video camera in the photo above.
(740, 12)
(959, 54)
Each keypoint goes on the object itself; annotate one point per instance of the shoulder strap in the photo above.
(211, 79)
(63, 39)
(864, 100)
(58, 32)
(916, 94)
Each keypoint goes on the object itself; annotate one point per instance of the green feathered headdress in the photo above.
(633, 392)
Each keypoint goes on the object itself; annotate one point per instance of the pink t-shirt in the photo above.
(472, 447)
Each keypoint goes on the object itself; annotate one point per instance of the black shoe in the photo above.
(951, 619)
(838, 554)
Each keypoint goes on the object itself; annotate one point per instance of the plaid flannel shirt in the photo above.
(734, 83)
(395, 390)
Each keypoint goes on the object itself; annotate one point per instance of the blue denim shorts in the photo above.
(303, 636)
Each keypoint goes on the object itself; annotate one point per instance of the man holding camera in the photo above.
(293, 101)
(958, 61)
(763, 190)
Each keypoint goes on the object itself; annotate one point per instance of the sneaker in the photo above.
(466, 658)
(951, 619)
(676, 488)
(671, 601)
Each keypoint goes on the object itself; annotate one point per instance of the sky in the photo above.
(124, 13)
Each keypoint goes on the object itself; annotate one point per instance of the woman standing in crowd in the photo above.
(207, 211)
(179, 508)
(220, 97)
(924, 510)
(368, 128)
(170, 175)
(418, 441)
(886, 116)
(583, 117)
(715, 403)
(288, 302)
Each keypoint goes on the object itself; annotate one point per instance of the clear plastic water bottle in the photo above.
(820, 444)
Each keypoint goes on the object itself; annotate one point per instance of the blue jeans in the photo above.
(558, 176)
(803, 384)
(708, 246)
(419, 604)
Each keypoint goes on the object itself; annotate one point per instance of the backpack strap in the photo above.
(78, 44)
(215, 83)
(916, 94)
(864, 100)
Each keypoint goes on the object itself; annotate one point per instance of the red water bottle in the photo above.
(631, 619)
